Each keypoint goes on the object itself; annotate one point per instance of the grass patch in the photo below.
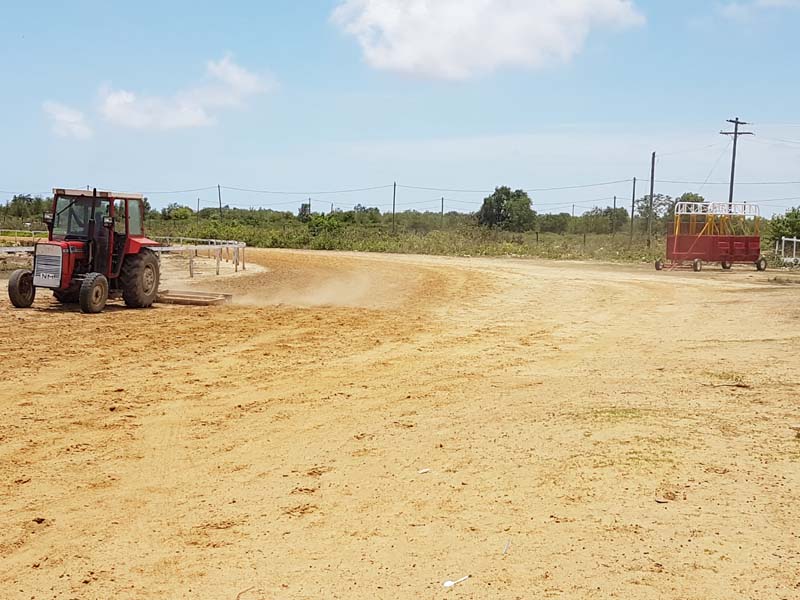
(612, 415)
(459, 241)
(726, 376)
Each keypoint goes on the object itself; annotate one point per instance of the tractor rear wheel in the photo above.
(21, 291)
(93, 293)
(726, 265)
(761, 264)
(697, 265)
(139, 279)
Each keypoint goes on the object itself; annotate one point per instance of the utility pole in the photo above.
(652, 191)
(614, 218)
(309, 206)
(394, 199)
(331, 207)
(633, 207)
(219, 195)
(735, 133)
(198, 210)
(442, 212)
(573, 211)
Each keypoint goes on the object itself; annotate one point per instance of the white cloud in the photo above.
(229, 85)
(66, 121)
(457, 39)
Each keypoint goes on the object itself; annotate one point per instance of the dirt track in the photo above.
(618, 432)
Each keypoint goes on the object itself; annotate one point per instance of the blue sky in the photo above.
(325, 95)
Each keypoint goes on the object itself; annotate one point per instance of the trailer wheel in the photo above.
(726, 265)
(21, 291)
(93, 293)
(659, 265)
(761, 264)
(697, 265)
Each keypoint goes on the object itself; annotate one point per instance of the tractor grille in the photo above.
(48, 271)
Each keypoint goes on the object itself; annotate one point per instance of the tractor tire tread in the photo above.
(131, 279)
(19, 298)
(86, 291)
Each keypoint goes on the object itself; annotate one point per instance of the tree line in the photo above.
(505, 209)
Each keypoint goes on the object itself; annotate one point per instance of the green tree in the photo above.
(324, 225)
(661, 206)
(507, 210)
(690, 197)
(177, 212)
(304, 212)
(617, 218)
(786, 225)
(554, 223)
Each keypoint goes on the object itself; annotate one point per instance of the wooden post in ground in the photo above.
(219, 257)
(244, 268)
(633, 209)
(191, 265)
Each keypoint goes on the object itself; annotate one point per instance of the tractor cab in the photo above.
(96, 250)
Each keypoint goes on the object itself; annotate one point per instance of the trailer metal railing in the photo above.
(781, 251)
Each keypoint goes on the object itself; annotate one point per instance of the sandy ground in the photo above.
(590, 432)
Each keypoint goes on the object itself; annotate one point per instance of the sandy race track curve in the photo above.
(584, 431)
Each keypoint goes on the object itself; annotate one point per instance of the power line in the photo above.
(162, 193)
(547, 189)
(781, 140)
(690, 150)
(728, 183)
(286, 193)
(714, 168)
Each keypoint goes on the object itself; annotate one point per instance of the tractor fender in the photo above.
(135, 244)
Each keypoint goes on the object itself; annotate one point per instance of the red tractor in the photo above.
(96, 250)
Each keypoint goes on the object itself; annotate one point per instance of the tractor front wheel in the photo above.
(726, 265)
(761, 264)
(697, 265)
(93, 293)
(21, 291)
(139, 279)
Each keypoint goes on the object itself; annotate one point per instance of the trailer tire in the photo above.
(761, 264)
(21, 290)
(697, 265)
(139, 279)
(659, 265)
(93, 294)
(726, 265)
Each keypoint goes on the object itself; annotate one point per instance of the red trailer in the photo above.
(714, 232)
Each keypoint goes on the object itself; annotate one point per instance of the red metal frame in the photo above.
(714, 248)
